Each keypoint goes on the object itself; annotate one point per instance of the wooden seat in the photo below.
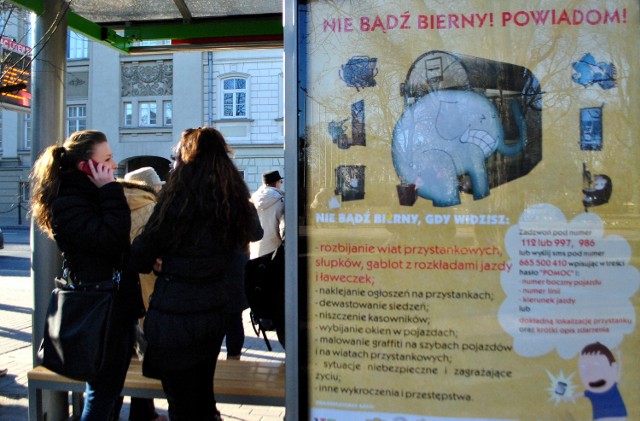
(240, 382)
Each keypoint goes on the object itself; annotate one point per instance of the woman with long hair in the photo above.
(78, 203)
(197, 241)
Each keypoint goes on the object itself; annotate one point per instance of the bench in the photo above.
(240, 382)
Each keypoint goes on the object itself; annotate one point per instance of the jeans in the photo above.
(103, 392)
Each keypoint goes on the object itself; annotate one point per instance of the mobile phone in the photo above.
(85, 168)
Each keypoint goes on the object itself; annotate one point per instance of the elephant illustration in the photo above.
(447, 135)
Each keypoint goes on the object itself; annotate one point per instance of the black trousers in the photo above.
(190, 392)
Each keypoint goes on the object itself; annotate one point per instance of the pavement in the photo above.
(16, 306)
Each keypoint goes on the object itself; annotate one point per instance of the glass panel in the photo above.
(144, 114)
(241, 83)
(78, 46)
(168, 113)
(157, 10)
(27, 131)
(240, 110)
(76, 118)
(490, 262)
(148, 114)
(153, 114)
(128, 114)
(228, 84)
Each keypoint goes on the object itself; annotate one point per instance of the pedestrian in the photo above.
(141, 188)
(269, 201)
(78, 203)
(202, 222)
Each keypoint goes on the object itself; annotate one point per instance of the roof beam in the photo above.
(184, 10)
(247, 27)
(99, 33)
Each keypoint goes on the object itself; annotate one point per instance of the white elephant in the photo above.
(447, 134)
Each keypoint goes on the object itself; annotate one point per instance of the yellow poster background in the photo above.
(416, 309)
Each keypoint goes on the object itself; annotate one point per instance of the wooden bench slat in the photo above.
(255, 382)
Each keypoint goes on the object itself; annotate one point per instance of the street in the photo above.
(16, 256)
(16, 302)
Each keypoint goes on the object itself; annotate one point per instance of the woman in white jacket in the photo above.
(269, 201)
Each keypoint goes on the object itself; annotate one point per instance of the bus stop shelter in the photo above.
(123, 25)
(455, 245)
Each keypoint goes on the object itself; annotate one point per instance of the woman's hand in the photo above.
(101, 174)
(157, 266)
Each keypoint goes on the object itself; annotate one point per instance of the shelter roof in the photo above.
(205, 23)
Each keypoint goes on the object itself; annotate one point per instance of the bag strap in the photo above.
(66, 281)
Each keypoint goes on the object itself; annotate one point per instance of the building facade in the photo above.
(144, 102)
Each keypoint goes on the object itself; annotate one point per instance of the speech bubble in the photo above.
(570, 284)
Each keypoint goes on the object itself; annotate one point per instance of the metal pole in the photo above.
(293, 383)
(48, 128)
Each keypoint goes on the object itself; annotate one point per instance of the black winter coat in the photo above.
(91, 227)
(199, 284)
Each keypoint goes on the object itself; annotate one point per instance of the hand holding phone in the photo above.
(85, 168)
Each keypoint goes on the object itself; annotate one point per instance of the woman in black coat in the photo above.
(201, 225)
(77, 202)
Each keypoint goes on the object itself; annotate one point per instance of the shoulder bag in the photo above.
(76, 327)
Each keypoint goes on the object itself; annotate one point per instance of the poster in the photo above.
(471, 209)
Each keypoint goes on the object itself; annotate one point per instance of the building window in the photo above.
(76, 118)
(168, 113)
(147, 113)
(25, 193)
(77, 46)
(128, 114)
(26, 142)
(234, 97)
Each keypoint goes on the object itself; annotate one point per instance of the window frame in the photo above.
(134, 104)
(234, 92)
(76, 118)
(127, 114)
(152, 113)
(167, 121)
(27, 135)
(77, 46)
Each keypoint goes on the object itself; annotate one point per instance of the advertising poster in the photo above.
(472, 211)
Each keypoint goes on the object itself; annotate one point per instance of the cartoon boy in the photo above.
(600, 374)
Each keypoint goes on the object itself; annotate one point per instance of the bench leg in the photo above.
(35, 404)
(77, 403)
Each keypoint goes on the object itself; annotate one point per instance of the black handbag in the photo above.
(76, 328)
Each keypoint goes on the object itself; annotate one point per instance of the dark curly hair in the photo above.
(205, 181)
